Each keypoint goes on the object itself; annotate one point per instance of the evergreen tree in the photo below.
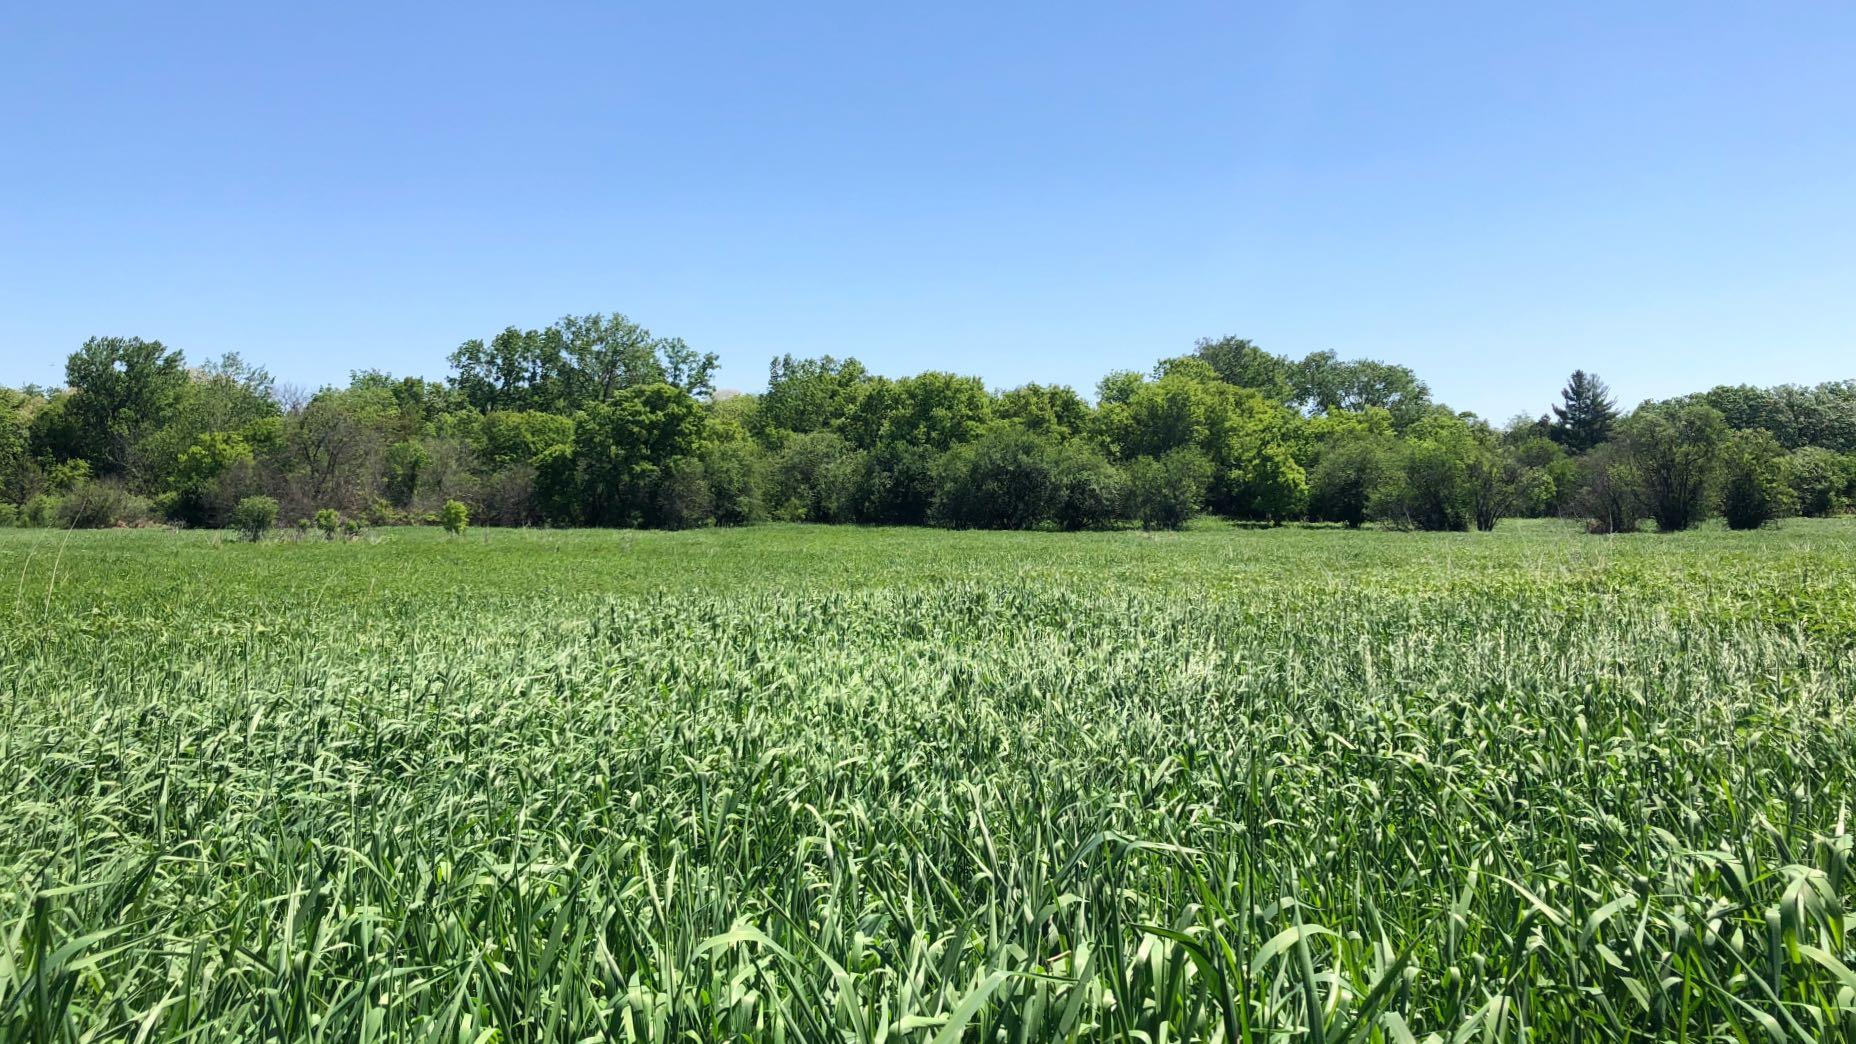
(1585, 419)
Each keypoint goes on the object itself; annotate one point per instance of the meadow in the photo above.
(829, 783)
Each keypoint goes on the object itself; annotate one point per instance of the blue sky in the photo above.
(1492, 194)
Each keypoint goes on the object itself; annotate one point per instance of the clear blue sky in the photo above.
(1493, 194)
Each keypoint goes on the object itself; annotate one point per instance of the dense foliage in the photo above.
(595, 421)
(806, 784)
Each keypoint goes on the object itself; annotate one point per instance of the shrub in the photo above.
(1001, 480)
(351, 528)
(1674, 450)
(1164, 492)
(557, 486)
(1541, 477)
(683, 498)
(67, 475)
(737, 478)
(1349, 478)
(455, 517)
(1433, 488)
(1753, 487)
(173, 507)
(1493, 479)
(402, 465)
(1089, 490)
(899, 484)
(329, 521)
(39, 511)
(1269, 485)
(9, 515)
(1610, 491)
(208, 480)
(254, 517)
(1816, 476)
(508, 497)
(99, 505)
(816, 478)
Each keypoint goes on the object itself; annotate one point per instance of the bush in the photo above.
(1674, 450)
(683, 497)
(1753, 487)
(329, 521)
(254, 517)
(508, 497)
(9, 515)
(737, 479)
(1165, 492)
(99, 505)
(1432, 488)
(208, 479)
(39, 511)
(899, 484)
(402, 465)
(1610, 491)
(1001, 480)
(817, 478)
(557, 486)
(1089, 490)
(1268, 486)
(67, 475)
(1350, 477)
(1541, 477)
(455, 517)
(1817, 480)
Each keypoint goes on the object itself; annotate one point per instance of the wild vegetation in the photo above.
(817, 783)
(595, 421)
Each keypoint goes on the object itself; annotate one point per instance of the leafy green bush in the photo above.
(1674, 449)
(1002, 480)
(1609, 493)
(816, 478)
(402, 465)
(329, 521)
(254, 517)
(1753, 487)
(557, 486)
(1088, 491)
(67, 475)
(1164, 492)
(100, 505)
(1817, 480)
(39, 511)
(1349, 478)
(684, 500)
(455, 517)
(737, 482)
(1433, 487)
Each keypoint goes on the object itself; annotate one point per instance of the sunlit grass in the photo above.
(809, 784)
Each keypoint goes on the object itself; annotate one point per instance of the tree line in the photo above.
(595, 421)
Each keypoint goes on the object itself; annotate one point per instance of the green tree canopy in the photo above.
(122, 388)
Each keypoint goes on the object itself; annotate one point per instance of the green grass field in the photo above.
(812, 784)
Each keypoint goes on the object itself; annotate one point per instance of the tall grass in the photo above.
(804, 785)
